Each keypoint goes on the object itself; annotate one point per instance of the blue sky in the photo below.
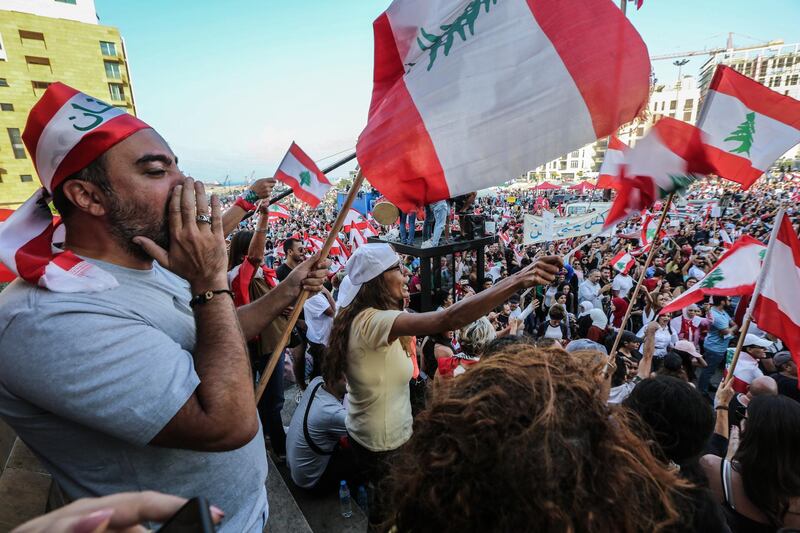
(231, 84)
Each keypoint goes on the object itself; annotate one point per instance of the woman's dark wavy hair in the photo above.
(767, 458)
(373, 294)
(524, 442)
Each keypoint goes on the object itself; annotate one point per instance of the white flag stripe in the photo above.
(291, 166)
(782, 281)
(60, 136)
(20, 228)
(653, 158)
(724, 114)
(611, 162)
(525, 55)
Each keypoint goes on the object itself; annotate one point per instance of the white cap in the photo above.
(367, 263)
(755, 340)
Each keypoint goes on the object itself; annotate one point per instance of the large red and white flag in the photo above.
(299, 172)
(470, 93)
(356, 221)
(612, 163)
(747, 125)
(667, 159)
(777, 307)
(5, 274)
(734, 274)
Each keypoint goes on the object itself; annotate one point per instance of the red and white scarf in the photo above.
(65, 132)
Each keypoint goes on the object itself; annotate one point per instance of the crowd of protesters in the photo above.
(497, 410)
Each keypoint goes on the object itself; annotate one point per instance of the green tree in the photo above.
(712, 279)
(744, 135)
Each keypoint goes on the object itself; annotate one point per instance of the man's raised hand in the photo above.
(542, 271)
(196, 248)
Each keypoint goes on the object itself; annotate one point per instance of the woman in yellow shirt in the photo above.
(370, 341)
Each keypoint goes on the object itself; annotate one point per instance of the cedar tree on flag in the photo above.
(777, 308)
(667, 159)
(734, 274)
(298, 171)
(623, 262)
(747, 126)
(277, 211)
(613, 160)
(648, 235)
(469, 93)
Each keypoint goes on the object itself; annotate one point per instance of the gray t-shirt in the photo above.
(325, 426)
(87, 380)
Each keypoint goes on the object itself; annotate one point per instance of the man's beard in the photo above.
(129, 220)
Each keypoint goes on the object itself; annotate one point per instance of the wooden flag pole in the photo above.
(654, 248)
(301, 299)
(756, 292)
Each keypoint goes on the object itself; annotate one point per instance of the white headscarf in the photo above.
(599, 318)
(585, 307)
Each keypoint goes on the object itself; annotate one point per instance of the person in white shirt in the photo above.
(622, 285)
(665, 339)
(589, 290)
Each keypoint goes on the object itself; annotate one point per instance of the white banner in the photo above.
(537, 230)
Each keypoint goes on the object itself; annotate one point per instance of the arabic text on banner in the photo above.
(537, 230)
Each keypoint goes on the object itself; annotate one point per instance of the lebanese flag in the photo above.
(339, 251)
(459, 102)
(278, 211)
(777, 308)
(504, 238)
(648, 234)
(623, 262)
(313, 243)
(747, 125)
(355, 221)
(613, 160)
(734, 274)
(6, 276)
(745, 372)
(669, 158)
(299, 172)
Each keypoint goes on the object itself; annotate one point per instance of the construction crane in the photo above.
(728, 47)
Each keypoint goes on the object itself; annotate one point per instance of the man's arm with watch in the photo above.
(259, 190)
(221, 413)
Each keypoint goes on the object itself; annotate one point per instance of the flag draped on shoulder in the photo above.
(470, 93)
(298, 171)
(747, 125)
(612, 163)
(734, 274)
(777, 307)
(668, 159)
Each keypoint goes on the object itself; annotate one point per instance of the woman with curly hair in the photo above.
(524, 442)
(370, 346)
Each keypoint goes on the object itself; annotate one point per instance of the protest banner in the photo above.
(536, 229)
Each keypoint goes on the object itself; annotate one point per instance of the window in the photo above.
(108, 49)
(673, 104)
(115, 89)
(573, 164)
(640, 131)
(3, 55)
(687, 116)
(39, 87)
(32, 41)
(688, 104)
(25, 178)
(72, 2)
(16, 143)
(31, 60)
(793, 80)
(574, 154)
(6, 107)
(112, 70)
(3, 82)
(39, 65)
(31, 35)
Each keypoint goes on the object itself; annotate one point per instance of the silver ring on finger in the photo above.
(203, 219)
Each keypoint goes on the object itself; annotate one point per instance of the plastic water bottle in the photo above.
(361, 499)
(344, 500)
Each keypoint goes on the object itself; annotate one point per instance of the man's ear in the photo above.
(85, 196)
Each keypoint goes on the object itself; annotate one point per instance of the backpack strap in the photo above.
(316, 449)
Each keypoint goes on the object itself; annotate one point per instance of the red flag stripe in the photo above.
(756, 96)
(734, 165)
(770, 318)
(388, 72)
(628, 78)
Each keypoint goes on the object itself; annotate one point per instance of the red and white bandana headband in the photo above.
(65, 132)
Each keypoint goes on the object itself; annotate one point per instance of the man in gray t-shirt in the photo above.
(143, 381)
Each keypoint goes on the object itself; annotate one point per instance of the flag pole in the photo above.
(301, 299)
(756, 292)
(653, 249)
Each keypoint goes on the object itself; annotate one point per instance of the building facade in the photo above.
(43, 41)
